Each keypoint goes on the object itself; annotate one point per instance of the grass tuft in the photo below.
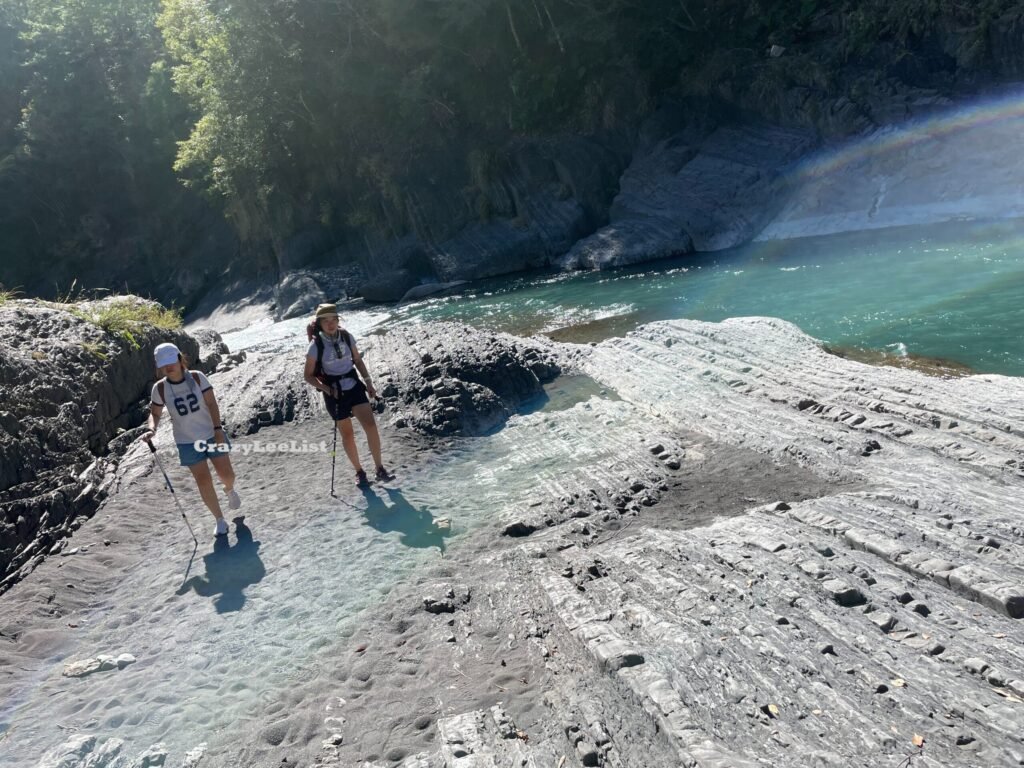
(6, 296)
(94, 349)
(124, 317)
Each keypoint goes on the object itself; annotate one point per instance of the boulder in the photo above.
(212, 349)
(692, 192)
(445, 378)
(430, 289)
(297, 294)
(389, 286)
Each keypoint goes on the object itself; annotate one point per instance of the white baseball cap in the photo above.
(166, 354)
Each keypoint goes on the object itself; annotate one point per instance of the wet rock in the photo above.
(153, 757)
(85, 751)
(518, 528)
(446, 600)
(393, 285)
(101, 663)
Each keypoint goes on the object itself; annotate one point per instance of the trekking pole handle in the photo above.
(152, 448)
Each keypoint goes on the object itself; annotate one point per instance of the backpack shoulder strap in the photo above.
(318, 369)
(160, 389)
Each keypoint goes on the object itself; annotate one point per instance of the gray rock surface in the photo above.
(430, 289)
(70, 390)
(855, 601)
(389, 286)
(297, 294)
(692, 192)
(446, 379)
(437, 379)
(212, 349)
(724, 575)
(540, 198)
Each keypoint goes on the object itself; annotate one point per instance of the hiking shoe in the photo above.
(222, 527)
(234, 500)
(383, 475)
(361, 480)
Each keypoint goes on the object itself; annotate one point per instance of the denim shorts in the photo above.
(189, 456)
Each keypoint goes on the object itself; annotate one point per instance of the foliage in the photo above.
(289, 114)
(91, 137)
(116, 316)
(123, 316)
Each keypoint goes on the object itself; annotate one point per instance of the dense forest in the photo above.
(153, 143)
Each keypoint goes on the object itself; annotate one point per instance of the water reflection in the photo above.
(229, 570)
(419, 529)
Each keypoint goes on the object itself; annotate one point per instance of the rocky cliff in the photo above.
(70, 392)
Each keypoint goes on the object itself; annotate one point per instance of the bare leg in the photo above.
(364, 413)
(204, 481)
(226, 473)
(348, 442)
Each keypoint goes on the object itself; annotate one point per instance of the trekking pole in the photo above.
(334, 450)
(170, 488)
(334, 455)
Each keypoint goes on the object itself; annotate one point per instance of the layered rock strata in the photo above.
(70, 390)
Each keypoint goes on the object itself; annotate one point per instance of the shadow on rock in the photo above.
(417, 526)
(229, 570)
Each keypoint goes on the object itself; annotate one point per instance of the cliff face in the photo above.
(691, 180)
(70, 390)
(699, 162)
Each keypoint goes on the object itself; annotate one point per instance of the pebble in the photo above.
(975, 666)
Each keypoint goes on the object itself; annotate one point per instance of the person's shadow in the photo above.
(417, 526)
(229, 570)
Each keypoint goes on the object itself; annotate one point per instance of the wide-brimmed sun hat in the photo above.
(326, 310)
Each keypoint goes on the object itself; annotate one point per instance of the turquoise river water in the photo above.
(954, 291)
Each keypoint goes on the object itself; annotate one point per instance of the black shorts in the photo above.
(341, 407)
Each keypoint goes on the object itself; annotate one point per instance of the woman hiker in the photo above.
(195, 417)
(331, 364)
